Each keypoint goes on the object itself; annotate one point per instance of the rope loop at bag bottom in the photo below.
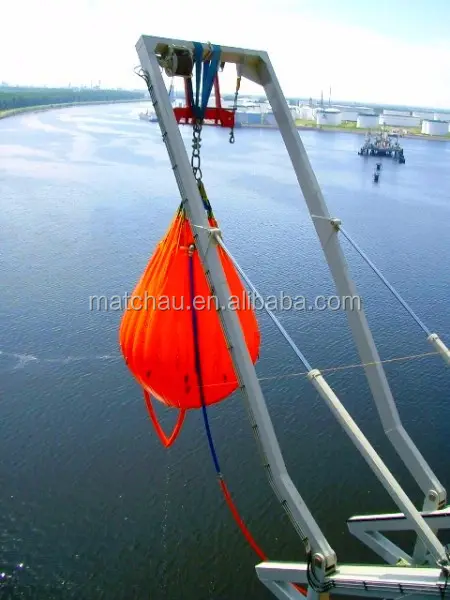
(166, 441)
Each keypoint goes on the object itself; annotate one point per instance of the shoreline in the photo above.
(411, 136)
(324, 129)
(44, 107)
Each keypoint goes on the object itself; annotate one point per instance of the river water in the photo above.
(91, 505)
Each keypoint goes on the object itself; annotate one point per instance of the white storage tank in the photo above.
(334, 116)
(295, 112)
(367, 121)
(435, 127)
(328, 116)
(321, 118)
(306, 113)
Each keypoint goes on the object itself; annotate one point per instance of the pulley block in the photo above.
(178, 62)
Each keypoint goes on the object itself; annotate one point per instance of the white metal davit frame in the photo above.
(321, 572)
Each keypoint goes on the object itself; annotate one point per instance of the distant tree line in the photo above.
(11, 98)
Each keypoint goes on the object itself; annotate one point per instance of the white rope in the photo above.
(378, 273)
(291, 342)
(280, 327)
(340, 368)
(386, 282)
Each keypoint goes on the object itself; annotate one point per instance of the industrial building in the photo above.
(348, 113)
(441, 116)
(248, 117)
(423, 114)
(268, 119)
(435, 127)
(367, 120)
(259, 113)
(396, 113)
(399, 120)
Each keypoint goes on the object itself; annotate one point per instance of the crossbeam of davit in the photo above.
(228, 54)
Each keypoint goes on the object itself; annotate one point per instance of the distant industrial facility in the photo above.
(366, 118)
(252, 113)
(256, 113)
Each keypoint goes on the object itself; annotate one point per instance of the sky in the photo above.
(387, 51)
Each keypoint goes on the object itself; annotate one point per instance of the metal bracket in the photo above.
(215, 232)
(368, 530)
(336, 223)
(388, 582)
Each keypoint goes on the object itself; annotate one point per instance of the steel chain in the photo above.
(196, 145)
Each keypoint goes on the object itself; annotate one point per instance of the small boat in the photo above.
(383, 144)
(146, 116)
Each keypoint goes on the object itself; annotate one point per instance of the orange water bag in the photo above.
(157, 331)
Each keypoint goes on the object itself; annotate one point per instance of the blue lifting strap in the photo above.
(205, 73)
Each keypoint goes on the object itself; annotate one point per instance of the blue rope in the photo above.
(206, 66)
(190, 93)
(210, 69)
(205, 72)
(198, 368)
(198, 60)
(228, 499)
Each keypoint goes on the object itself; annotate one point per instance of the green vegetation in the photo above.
(351, 126)
(15, 99)
(347, 125)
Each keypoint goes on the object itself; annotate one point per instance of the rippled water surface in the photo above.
(91, 505)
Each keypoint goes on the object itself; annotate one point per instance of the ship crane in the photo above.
(423, 573)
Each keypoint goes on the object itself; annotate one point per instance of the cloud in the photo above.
(95, 40)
